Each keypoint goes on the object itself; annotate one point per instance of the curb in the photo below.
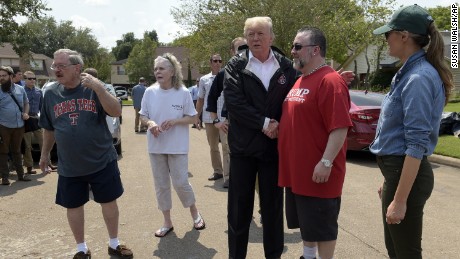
(444, 160)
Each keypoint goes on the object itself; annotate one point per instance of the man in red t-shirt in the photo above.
(312, 133)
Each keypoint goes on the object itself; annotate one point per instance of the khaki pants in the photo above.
(136, 121)
(38, 135)
(213, 134)
(167, 168)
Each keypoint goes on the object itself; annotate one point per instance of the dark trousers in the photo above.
(404, 240)
(10, 142)
(243, 171)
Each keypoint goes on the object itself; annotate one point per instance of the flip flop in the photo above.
(163, 231)
(199, 223)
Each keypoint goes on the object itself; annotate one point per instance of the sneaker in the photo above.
(122, 252)
(226, 182)
(82, 255)
(30, 171)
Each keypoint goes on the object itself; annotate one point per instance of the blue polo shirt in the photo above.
(35, 97)
(11, 116)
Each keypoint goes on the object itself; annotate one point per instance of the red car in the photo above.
(364, 113)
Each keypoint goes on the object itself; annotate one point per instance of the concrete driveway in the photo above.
(32, 226)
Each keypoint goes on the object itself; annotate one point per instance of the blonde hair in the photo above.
(258, 20)
(27, 73)
(177, 77)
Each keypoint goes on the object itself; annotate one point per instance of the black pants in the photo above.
(404, 241)
(243, 171)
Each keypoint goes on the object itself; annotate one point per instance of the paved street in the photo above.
(32, 226)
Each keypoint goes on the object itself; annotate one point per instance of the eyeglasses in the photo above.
(298, 47)
(31, 78)
(60, 66)
(217, 60)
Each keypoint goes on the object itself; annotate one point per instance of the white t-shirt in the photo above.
(160, 105)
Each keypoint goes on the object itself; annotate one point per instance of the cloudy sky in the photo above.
(109, 19)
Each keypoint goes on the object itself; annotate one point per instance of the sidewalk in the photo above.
(444, 160)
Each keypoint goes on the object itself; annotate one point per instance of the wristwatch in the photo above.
(216, 120)
(327, 163)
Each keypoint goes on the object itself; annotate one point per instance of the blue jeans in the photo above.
(404, 240)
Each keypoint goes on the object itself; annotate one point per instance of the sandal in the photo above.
(199, 223)
(163, 231)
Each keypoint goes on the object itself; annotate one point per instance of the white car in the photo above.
(122, 94)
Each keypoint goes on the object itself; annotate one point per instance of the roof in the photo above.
(7, 51)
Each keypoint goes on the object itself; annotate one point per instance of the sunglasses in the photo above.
(298, 47)
(387, 34)
(31, 78)
(217, 60)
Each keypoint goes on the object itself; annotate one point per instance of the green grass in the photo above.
(448, 145)
(452, 107)
(127, 102)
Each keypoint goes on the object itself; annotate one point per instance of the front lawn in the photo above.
(448, 145)
(452, 107)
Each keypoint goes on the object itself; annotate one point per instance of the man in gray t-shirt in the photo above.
(74, 116)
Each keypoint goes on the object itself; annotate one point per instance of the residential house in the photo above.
(360, 65)
(39, 63)
(120, 77)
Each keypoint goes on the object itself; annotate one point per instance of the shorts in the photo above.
(73, 192)
(316, 217)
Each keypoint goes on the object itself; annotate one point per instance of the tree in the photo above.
(101, 61)
(441, 16)
(212, 24)
(152, 35)
(124, 46)
(141, 60)
(9, 27)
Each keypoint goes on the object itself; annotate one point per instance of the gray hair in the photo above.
(177, 77)
(75, 58)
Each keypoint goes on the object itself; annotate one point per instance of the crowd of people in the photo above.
(282, 125)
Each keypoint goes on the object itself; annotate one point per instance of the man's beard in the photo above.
(299, 64)
(6, 87)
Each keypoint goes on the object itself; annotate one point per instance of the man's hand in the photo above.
(166, 125)
(91, 82)
(348, 76)
(44, 159)
(223, 125)
(272, 129)
(198, 123)
(321, 173)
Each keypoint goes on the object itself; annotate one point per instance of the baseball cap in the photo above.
(412, 18)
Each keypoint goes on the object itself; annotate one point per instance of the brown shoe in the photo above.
(82, 255)
(121, 252)
(30, 171)
(215, 176)
(24, 178)
(5, 181)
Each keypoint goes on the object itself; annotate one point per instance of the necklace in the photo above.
(314, 70)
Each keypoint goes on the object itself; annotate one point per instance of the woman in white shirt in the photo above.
(167, 108)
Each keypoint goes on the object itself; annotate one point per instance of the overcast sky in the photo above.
(109, 19)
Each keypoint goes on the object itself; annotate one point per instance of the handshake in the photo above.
(272, 130)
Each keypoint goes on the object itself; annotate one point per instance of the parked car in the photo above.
(364, 113)
(122, 94)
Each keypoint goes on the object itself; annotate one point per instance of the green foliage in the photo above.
(382, 78)
(9, 27)
(127, 43)
(441, 16)
(212, 24)
(101, 62)
(141, 60)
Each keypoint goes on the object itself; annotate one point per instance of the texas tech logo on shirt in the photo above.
(73, 107)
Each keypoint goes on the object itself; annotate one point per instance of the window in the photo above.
(120, 70)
